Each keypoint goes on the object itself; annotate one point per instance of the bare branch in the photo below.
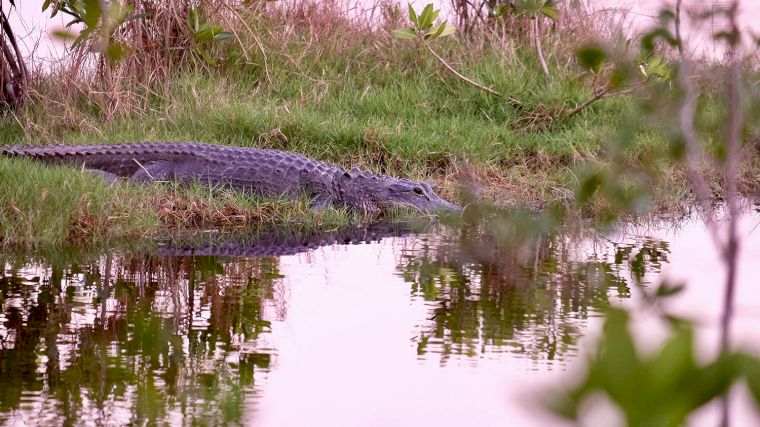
(677, 24)
(537, 37)
(578, 108)
(514, 102)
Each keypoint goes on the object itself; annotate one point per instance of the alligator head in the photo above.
(374, 193)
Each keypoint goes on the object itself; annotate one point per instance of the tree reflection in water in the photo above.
(139, 338)
(531, 293)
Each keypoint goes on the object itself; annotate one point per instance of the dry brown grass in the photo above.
(158, 48)
(181, 212)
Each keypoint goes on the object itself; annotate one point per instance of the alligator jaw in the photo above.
(448, 207)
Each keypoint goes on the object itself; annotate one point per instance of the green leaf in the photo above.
(750, 368)
(46, 4)
(413, 15)
(207, 33)
(589, 187)
(405, 33)
(550, 12)
(426, 17)
(529, 7)
(649, 40)
(653, 66)
(435, 31)
(448, 30)
(503, 10)
(83, 35)
(73, 22)
(435, 14)
(193, 21)
(441, 30)
(115, 51)
(667, 290)
(712, 380)
(592, 57)
(92, 13)
(64, 35)
(620, 76)
(675, 361)
(222, 36)
(666, 15)
(617, 368)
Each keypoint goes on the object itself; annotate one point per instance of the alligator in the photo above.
(259, 171)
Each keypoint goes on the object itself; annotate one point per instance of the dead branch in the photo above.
(513, 101)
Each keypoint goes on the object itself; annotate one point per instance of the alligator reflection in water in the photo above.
(527, 298)
(182, 335)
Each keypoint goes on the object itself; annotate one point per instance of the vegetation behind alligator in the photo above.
(259, 171)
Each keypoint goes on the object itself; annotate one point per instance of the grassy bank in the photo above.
(340, 91)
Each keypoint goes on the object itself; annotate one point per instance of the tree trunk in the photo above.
(14, 76)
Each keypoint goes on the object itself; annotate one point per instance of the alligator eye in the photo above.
(418, 190)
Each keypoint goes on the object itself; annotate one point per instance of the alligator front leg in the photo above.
(319, 202)
(108, 177)
(161, 171)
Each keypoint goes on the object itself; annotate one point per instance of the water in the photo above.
(385, 327)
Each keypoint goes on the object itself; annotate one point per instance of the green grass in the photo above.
(392, 110)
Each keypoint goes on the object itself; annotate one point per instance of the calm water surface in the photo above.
(393, 328)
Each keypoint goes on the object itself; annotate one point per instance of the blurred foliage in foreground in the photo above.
(658, 389)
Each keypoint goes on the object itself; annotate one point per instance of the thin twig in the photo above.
(679, 40)
(693, 149)
(512, 101)
(578, 108)
(144, 170)
(733, 160)
(537, 38)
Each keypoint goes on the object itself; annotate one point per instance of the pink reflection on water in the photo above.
(346, 355)
(331, 371)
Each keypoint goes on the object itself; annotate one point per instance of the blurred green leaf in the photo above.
(550, 12)
(649, 40)
(504, 9)
(620, 76)
(529, 7)
(63, 35)
(666, 15)
(730, 37)
(667, 290)
(591, 57)
(115, 51)
(92, 13)
(750, 368)
(589, 186)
